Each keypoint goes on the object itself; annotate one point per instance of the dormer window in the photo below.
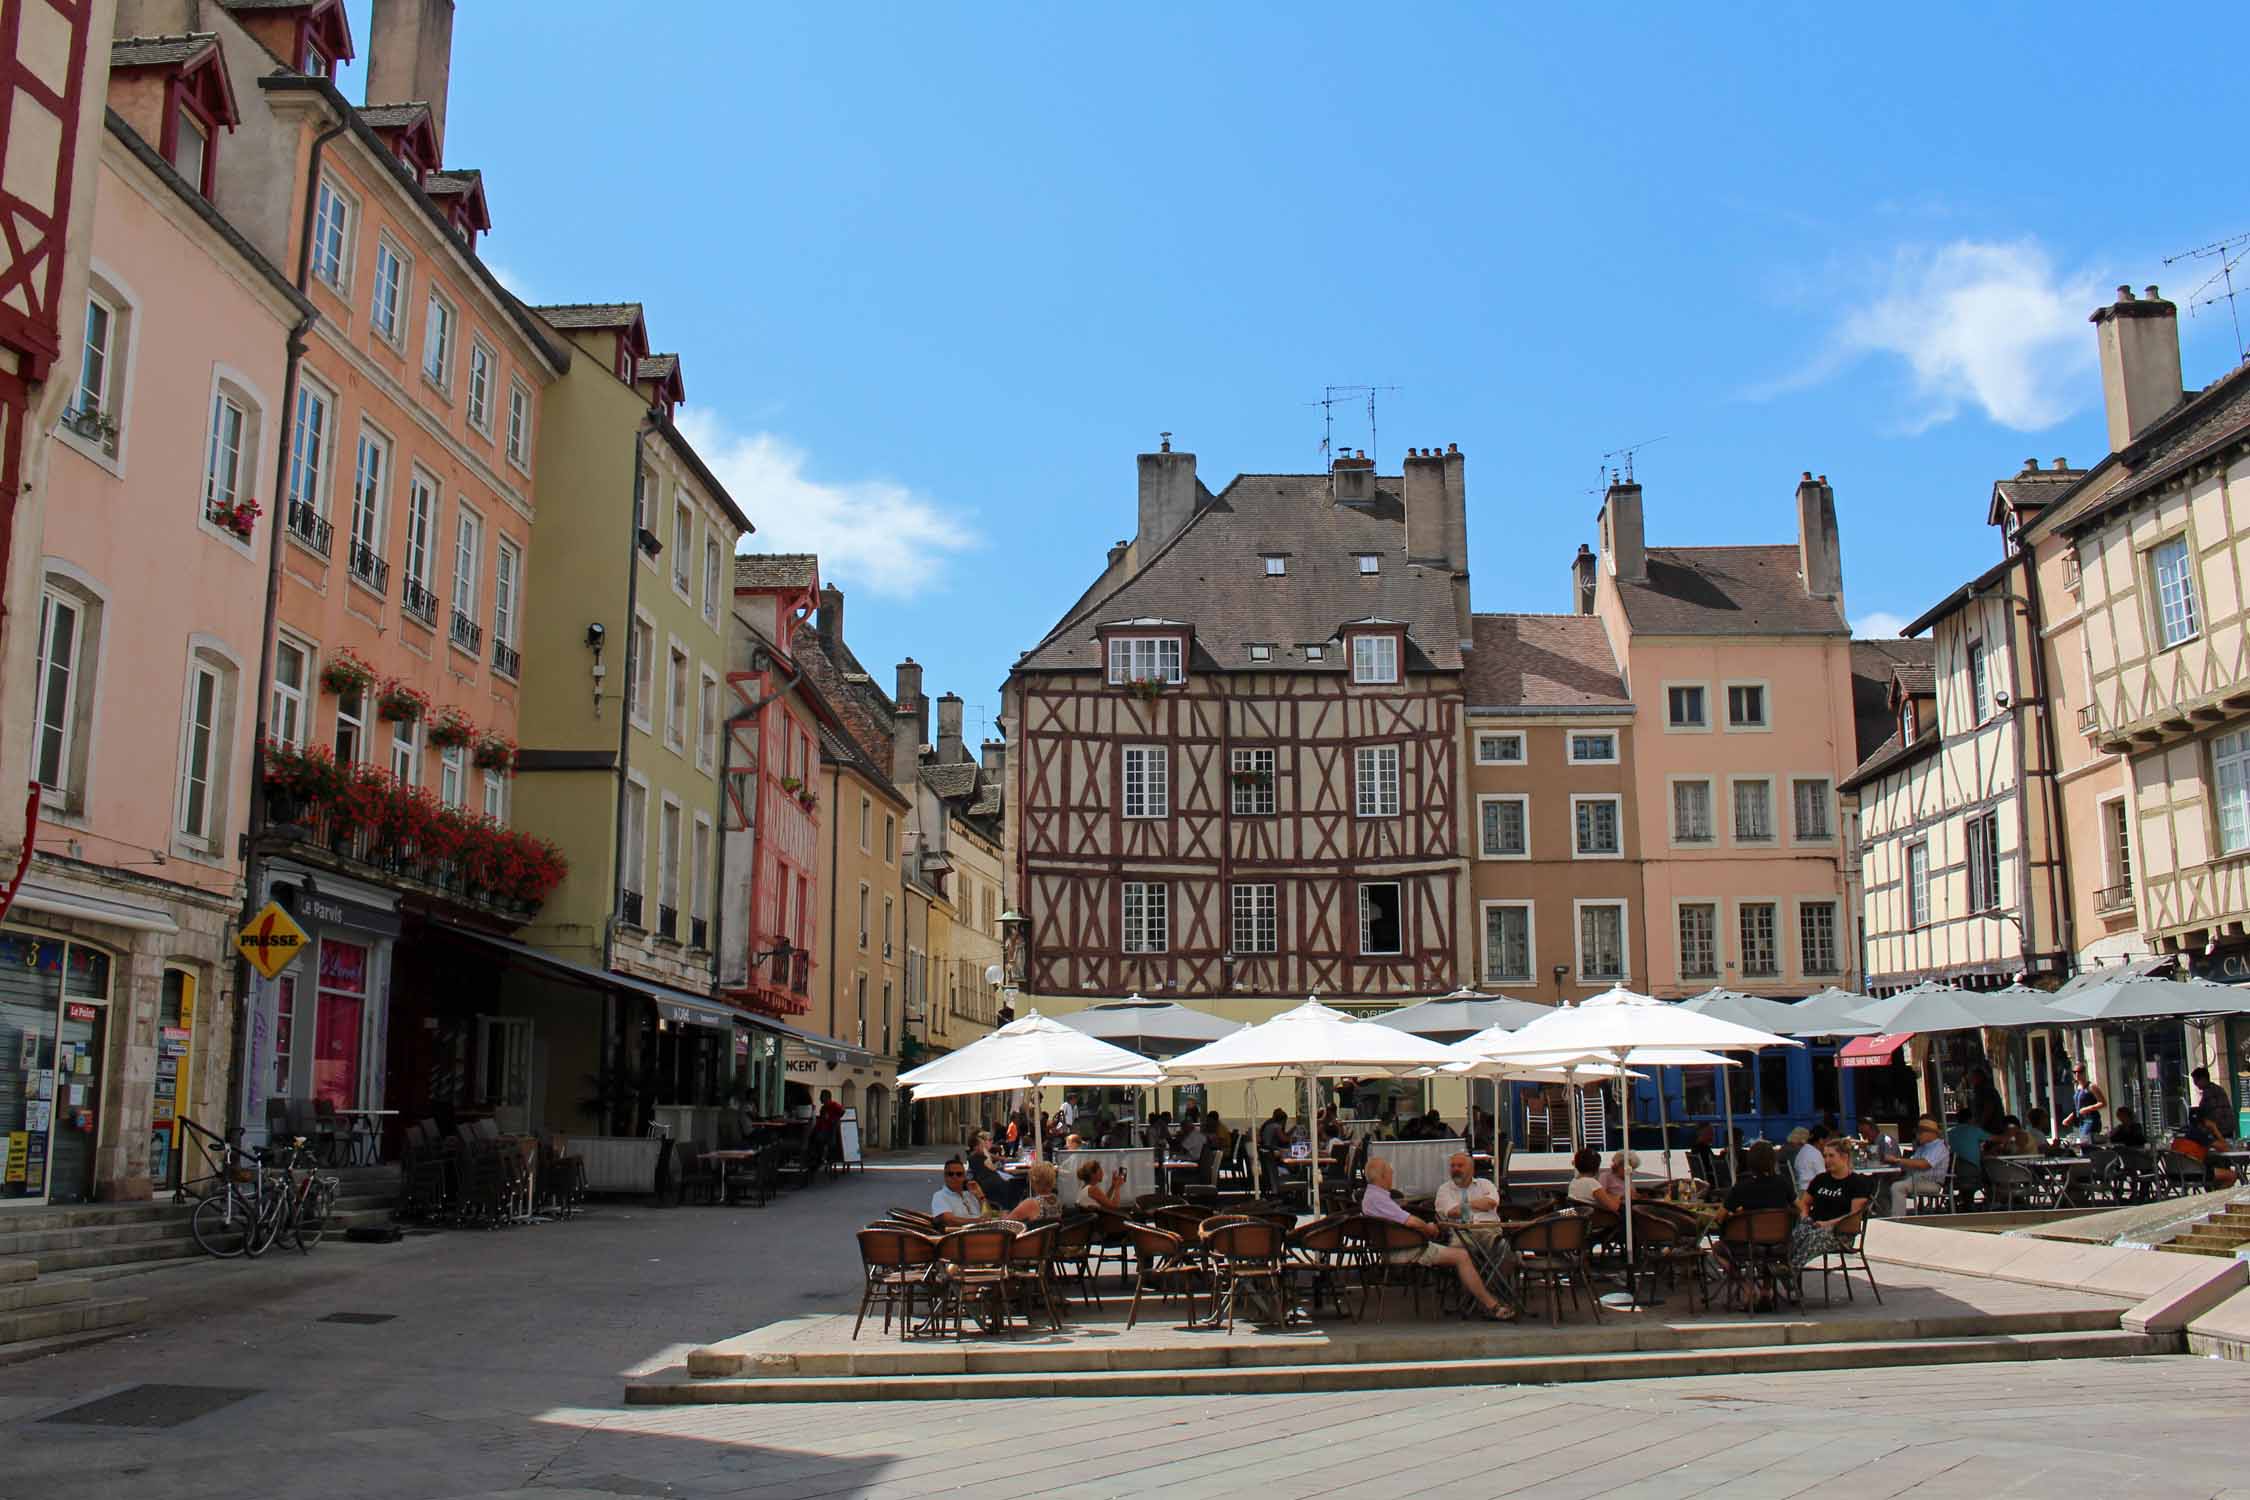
(179, 99)
(316, 63)
(1277, 565)
(191, 151)
(1316, 653)
(1261, 653)
(1907, 728)
(1145, 658)
(1374, 658)
(1370, 562)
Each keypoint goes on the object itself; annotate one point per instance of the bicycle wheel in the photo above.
(273, 1214)
(314, 1212)
(220, 1224)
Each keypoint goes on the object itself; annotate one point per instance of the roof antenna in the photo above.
(1331, 396)
(1164, 440)
(2229, 253)
(1624, 473)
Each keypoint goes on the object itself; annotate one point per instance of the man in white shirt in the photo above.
(1068, 1114)
(960, 1202)
(1804, 1161)
(1462, 1185)
(1926, 1169)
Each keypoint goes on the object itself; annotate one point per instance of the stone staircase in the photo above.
(102, 1240)
(41, 1315)
(2223, 1234)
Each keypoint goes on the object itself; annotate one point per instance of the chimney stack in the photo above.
(1456, 509)
(908, 726)
(831, 614)
(1582, 581)
(950, 751)
(1425, 507)
(410, 56)
(2140, 347)
(1353, 477)
(1623, 541)
(1820, 555)
(1118, 550)
(1168, 495)
(995, 760)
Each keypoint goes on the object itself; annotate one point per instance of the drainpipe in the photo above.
(254, 863)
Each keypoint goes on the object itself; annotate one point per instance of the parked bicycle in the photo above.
(254, 1199)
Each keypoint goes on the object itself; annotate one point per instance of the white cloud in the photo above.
(1879, 624)
(1985, 325)
(510, 278)
(874, 533)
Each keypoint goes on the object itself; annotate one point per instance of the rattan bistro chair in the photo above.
(1754, 1244)
(1029, 1256)
(1327, 1254)
(974, 1271)
(1850, 1250)
(898, 1265)
(1165, 1265)
(1551, 1252)
(1379, 1240)
(1250, 1256)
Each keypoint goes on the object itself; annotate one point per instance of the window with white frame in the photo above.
(1144, 658)
(1813, 804)
(1315, 652)
(1375, 781)
(1507, 942)
(292, 677)
(1382, 917)
(1147, 926)
(1685, 708)
(1918, 885)
(1753, 811)
(1691, 813)
(683, 544)
(480, 387)
(386, 310)
(496, 797)
(707, 723)
(1500, 747)
(1699, 940)
(1980, 685)
(1261, 651)
(405, 756)
(676, 699)
(203, 745)
(1504, 826)
(1148, 788)
(507, 576)
(1255, 927)
(1760, 947)
(1277, 564)
(371, 472)
(1589, 747)
(1597, 827)
(65, 662)
(1370, 562)
(1983, 840)
(96, 365)
(437, 342)
(1601, 940)
(453, 769)
(468, 550)
(1374, 658)
(2230, 777)
(633, 857)
(640, 672)
(332, 235)
(351, 726)
(1251, 774)
(2172, 569)
(1816, 938)
(421, 521)
(225, 457)
(710, 578)
(309, 446)
(1746, 705)
(519, 424)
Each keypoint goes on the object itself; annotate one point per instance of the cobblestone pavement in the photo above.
(500, 1371)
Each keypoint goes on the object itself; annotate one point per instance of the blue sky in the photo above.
(937, 273)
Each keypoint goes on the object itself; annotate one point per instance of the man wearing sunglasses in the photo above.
(960, 1202)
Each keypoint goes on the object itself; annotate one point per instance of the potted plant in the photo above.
(494, 752)
(301, 781)
(792, 784)
(90, 422)
(808, 799)
(1251, 779)
(238, 518)
(1147, 689)
(451, 727)
(401, 703)
(346, 672)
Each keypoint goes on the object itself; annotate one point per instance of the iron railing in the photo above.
(467, 633)
(369, 568)
(306, 526)
(418, 601)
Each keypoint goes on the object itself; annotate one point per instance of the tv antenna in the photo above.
(1623, 473)
(1332, 396)
(2228, 253)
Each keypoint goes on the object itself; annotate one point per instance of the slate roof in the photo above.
(951, 781)
(1541, 661)
(160, 51)
(1211, 575)
(2033, 489)
(395, 116)
(1892, 753)
(1874, 664)
(2202, 425)
(1726, 591)
(452, 181)
(658, 367)
(775, 570)
(590, 314)
(860, 707)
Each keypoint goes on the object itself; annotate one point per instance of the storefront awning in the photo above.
(88, 907)
(672, 1004)
(1871, 1051)
(821, 1048)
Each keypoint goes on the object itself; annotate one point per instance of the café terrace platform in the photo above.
(1950, 1296)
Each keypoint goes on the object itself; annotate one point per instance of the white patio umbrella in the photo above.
(1830, 1010)
(1307, 1043)
(1778, 1016)
(1030, 1054)
(1930, 1006)
(2131, 999)
(1149, 1026)
(1460, 1015)
(1623, 1027)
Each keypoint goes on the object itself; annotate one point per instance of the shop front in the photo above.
(315, 1034)
(863, 1083)
(54, 1014)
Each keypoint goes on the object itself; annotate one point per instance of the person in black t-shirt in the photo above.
(1837, 1196)
(1761, 1186)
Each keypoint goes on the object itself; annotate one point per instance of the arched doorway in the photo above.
(875, 1123)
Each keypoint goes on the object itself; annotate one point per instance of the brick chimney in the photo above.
(1168, 496)
(2140, 344)
(909, 726)
(950, 750)
(1456, 508)
(1820, 554)
(1623, 541)
(1582, 581)
(1353, 478)
(1424, 488)
(831, 614)
(410, 56)
(995, 756)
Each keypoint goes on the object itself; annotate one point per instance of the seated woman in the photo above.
(1838, 1196)
(1613, 1175)
(1042, 1202)
(1762, 1184)
(2128, 1135)
(1000, 1190)
(2013, 1140)
(1091, 1190)
(1586, 1188)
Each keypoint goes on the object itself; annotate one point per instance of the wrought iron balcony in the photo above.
(418, 601)
(306, 526)
(369, 568)
(467, 633)
(506, 659)
(668, 921)
(629, 909)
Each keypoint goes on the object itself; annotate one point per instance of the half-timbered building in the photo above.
(1235, 760)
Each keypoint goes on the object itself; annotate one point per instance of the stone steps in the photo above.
(106, 1238)
(1540, 1368)
(39, 1314)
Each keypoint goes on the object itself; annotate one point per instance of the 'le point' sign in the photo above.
(272, 941)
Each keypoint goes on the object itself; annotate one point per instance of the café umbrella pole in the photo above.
(1628, 1300)
(1726, 1147)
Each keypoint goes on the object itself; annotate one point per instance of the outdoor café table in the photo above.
(374, 1119)
(726, 1160)
(2050, 1174)
(1487, 1244)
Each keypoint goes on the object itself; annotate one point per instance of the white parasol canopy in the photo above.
(1149, 1026)
(2130, 998)
(1930, 1006)
(1308, 1042)
(1454, 1017)
(1829, 1011)
(1028, 1054)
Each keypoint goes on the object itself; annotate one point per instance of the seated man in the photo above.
(2198, 1139)
(1703, 1158)
(2128, 1135)
(1377, 1203)
(959, 1202)
(1926, 1169)
(1463, 1189)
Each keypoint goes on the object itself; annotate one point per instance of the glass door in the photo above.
(168, 1092)
(339, 1023)
(30, 1017)
(78, 1100)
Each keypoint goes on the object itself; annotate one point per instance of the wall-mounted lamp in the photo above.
(782, 951)
(597, 635)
